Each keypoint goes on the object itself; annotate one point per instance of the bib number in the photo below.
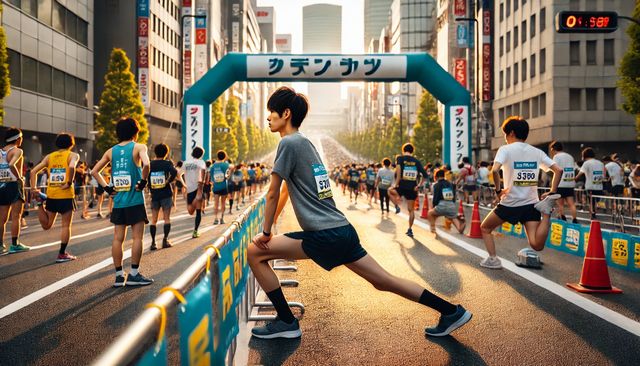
(236, 178)
(447, 194)
(218, 177)
(122, 183)
(410, 173)
(322, 181)
(385, 182)
(525, 173)
(598, 177)
(158, 180)
(5, 173)
(568, 175)
(57, 176)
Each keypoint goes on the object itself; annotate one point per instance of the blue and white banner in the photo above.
(195, 320)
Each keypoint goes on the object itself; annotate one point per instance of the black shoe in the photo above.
(120, 281)
(449, 323)
(575, 221)
(409, 233)
(153, 246)
(138, 280)
(166, 244)
(397, 209)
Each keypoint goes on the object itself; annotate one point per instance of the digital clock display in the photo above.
(586, 22)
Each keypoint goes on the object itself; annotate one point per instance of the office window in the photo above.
(574, 4)
(501, 45)
(508, 41)
(82, 32)
(509, 7)
(58, 84)
(29, 73)
(532, 66)
(543, 60)
(543, 104)
(523, 27)
(524, 2)
(44, 11)
(532, 25)
(515, 73)
(525, 108)
(14, 68)
(501, 11)
(58, 15)
(574, 53)
(44, 78)
(515, 109)
(69, 88)
(591, 52)
(501, 79)
(501, 116)
(71, 23)
(508, 77)
(524, 69)
(592, 99)
(153, 90)
(575, 99)
(508, 111)
(15, 3)
(609, 57)
(534, 107)
(515, 35)
(515, 5)
(591, 5)
(30, 7)
(543, 19)
(609, 99)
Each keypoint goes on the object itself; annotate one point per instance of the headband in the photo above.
(13, 138)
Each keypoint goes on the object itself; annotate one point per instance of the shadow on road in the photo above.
(274, 351)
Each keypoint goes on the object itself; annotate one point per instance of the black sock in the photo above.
(198, 219)
(575, 221)
(14, 240)
(436, 303)
(63, 247)
(563, 217)
(152, 231)
(230, 204)
(280, 304)
(167, 229)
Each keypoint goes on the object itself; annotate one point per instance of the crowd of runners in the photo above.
(60, 183)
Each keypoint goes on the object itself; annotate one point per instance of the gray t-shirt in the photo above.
(387, 177)
(299, 164)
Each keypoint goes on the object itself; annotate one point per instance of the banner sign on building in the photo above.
(142, 12)
(326, 67)
(201, 59)
(264, 15)
(187, 25)
(460, 70)
(487, 51)
(460, 8)
(195, 127)
(283, 43)
(462, 36)
(459, 133)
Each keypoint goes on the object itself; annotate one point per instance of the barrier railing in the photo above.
(137, 341)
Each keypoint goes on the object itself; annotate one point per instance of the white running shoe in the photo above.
(547, 204)
(491, 262)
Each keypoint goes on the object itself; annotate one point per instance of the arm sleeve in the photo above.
(285, 160)
(437, 194)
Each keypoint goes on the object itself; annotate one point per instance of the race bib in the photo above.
(525, 173)
(218, 177)
(410, 173)
(568, 175)
(598, 177)
(158, 180)
(385, 181)
(236, 178)
(122, 183)
(5, 173)
(322, 181)
(355, 178)
(57, 176)
(447, 194)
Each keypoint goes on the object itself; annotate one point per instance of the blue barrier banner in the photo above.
(573, 243)
(556, 232)
(506, 228)
(227, 322)
(634, 264)
(618, 250)
(196, 325)
(518, 230)
(239, 250)
(155, 356)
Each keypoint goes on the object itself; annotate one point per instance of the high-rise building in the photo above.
(50, 49)
(376, 17)
(322, 33)
(283, 43)
(267, 23)
(563, 84)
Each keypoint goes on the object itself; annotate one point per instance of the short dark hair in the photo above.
(466, 160)
(221, 154)
(161, 150)
(606, 158)
(179, 164)
(518, 125)
(484, 164)
(408, 147)
(11, 133)
(386, 162)
(556, 145)
(197, 152)
(65, 140)
(287, 98)
(440, 173)
(127, 129)
(208, 163)
(460, 165)
(588, 153)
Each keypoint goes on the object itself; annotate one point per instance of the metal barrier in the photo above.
(140, 336)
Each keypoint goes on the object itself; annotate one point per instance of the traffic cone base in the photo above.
(425, 207)
(475, 232)
(590, 290)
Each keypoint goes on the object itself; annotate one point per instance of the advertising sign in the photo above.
(264, 14)
(462, 36)
(283, 43)
(459, 133)
(195, 127)
(460, 70)
(142, 12)
(143, 85)
(195, 320)
(460, 8)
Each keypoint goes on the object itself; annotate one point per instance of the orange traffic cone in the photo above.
(460, 209)
(416, 205)
(475, 231)
(425, 207)
(595, 274)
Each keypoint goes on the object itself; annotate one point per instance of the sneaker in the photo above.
(66, 257)
(409, 233)
(449, 323)
(120, 281)
(547, 204)
(491, 262)
(195, 234)
(215, 222)
(397, 209)
(138, 280)
(41, 197)
(221, 221)
(18, 248)
(278, 329)
(166, 244)
(100, 215)
(153, 246)
(3, 250)
(23, 223)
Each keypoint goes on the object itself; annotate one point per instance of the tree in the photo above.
(5, 82)
(120, 99)
(222, 140)
(629, 72)
(232, 114)
(427, 133)
(252, 138)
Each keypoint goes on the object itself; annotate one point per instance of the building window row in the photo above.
(164, 31)
(608, 52)
(528, 108)
(520, 70)
(591, 99)
(171, 8)
(30, 74)
(164, 62)
(53, 14)
(163, 95)
(523, 28)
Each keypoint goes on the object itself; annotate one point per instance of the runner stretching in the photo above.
(194, 175)
(163, 173)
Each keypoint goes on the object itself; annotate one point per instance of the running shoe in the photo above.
(491, 262)
(18, 248)
(41, 197)
(215, 222)
(221, 221)
(66, 257)
(195, 234)
(409, 233)
(449, 323)
(153, 246)
(547, 204)
(120, 281)
(3, 250)
(397, 209)
(278, 329)
(166, 244)
(23, 223)
(138, 280)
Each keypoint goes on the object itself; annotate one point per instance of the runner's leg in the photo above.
(65, 230)
(489, 224)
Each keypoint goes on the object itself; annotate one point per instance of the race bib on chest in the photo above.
(447, 194)
(598, 177)
(122, 182)
(568, 174)
(410, 173)
(218, 177)
(5, 173)
(158, 180)
(322, 181)
(525, 174)
(57, 176)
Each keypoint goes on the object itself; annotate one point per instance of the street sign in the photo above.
(586, 21)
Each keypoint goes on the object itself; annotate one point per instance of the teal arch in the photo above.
(420, 67)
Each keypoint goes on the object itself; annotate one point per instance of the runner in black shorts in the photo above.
(327, 237)
(163, 173)
(193, 171)
(354, 182)
(219, 173)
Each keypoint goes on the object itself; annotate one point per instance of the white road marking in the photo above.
(596, 309)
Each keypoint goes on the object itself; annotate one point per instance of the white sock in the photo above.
(120, 273)
(134, 271)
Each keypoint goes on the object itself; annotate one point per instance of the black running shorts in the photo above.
(565, 192)
(409, 193)
(191, 196)
(62, 205)
(10, 193)
(517, 214)
(129, 215)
